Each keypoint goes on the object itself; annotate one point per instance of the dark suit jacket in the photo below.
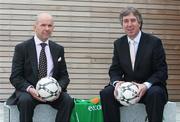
(25, 67)
(150, 64)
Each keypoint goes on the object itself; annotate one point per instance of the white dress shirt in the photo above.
(50, 64)
(136, 41)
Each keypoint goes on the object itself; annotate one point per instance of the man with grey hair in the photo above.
(145, 66)
(26, 67)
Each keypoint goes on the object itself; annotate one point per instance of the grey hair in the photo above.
(128, 10)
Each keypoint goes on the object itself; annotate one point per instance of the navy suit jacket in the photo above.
(150, 63)
(25, 67)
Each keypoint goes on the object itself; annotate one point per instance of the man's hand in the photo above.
(142, 89)
(116, 87)
(35, 94)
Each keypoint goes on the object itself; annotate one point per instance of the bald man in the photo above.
(25, 72)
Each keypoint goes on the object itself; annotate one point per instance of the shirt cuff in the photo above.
(148, 85)
(29, 88)
(114, 83)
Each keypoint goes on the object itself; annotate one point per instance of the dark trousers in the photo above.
(154, 100)
(26, 105)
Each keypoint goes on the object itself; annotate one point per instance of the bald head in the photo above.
(44, 16)
(44, 26)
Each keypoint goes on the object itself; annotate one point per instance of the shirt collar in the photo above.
(38, 41)
(136, 39)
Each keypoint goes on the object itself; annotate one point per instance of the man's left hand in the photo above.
(142, 89)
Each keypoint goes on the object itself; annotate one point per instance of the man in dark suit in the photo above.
(25, 72)
(148, 69)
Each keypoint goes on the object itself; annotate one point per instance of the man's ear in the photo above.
(34, 27)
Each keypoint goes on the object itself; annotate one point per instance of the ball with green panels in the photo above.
(48, 88)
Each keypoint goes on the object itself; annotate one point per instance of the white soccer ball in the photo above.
(127, 93)
(48, 88)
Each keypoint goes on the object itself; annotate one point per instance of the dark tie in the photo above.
(42, 62)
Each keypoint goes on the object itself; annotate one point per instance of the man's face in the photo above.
(44, 27)
(131, 26)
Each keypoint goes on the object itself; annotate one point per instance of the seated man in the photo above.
(33, 61)
(138, 57)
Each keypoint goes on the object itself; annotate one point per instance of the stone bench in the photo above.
(134, 113)
(137, 113)
(42, 113)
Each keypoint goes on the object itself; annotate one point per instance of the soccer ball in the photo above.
(127, 93)
(48, 88)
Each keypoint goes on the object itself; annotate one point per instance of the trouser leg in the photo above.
(110, 106)
(155, 100)
(26, 105)
(64, 105)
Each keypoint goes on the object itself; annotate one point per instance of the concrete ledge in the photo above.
(42, 113)
(134, 113)
(137, 113)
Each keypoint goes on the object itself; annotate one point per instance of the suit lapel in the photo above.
(33, 56)
(125, 52)
(54, 53)
(128, 55)
(141, 51)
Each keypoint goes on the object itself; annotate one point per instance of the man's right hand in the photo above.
(35, 94)
(116, 87)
